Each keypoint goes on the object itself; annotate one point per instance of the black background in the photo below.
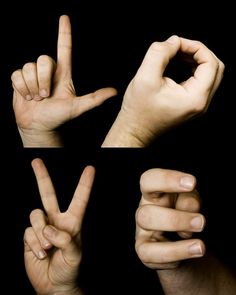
(109, 42)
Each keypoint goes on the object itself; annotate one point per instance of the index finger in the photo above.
(80, 199)
(206, 72)
(46, 188)
(64, 47)
(160, 181)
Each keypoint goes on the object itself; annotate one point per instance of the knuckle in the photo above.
(27, 233)
(142, 253)
(158, 46)
(198, 103)
(221, 66)
(44, 60)
(199, 43)
(15, 75)
(200, 106)
(214, 63)
(154, 46)
(142, 216)
(143, 180)
(161, 49)
(28, 67)
(65, 239)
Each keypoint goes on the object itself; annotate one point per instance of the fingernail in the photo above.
(46, 244)
(173, 39)
(49, 231)
(28, 97)
(187, 182)
(43, 93)
(197, 223)
(195, 250)
(42, 254)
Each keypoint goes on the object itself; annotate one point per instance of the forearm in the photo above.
(205, 276)
(40, 139)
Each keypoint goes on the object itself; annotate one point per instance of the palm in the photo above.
(47, 114)
(51, 272)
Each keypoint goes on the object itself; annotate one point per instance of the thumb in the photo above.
(157, 58)
(89, 101)
(63, 240)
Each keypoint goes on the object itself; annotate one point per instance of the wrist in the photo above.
(180, 279)
(192, 277)
(74, 291)
(126, 133)
(35, 138)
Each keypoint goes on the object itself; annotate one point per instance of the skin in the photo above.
(53, 242)
(153, 102)
(44, 95)
(170, 203)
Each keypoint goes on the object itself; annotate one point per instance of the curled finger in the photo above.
(32, 243)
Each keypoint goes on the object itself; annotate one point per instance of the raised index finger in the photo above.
(46, 189)
(64, 47)
(80, 199)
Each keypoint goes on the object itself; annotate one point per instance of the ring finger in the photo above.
(29, 72)
(39, 221)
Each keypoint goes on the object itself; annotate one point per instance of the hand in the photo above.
(154, 103)
(53, 242)
(169, 203)
(44, 96)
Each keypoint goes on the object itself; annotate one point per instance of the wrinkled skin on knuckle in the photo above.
(142, 253)
(143, 216)
(15, 75)
(43, 59)
(28, 67)
(143, 180)
(158, 47)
